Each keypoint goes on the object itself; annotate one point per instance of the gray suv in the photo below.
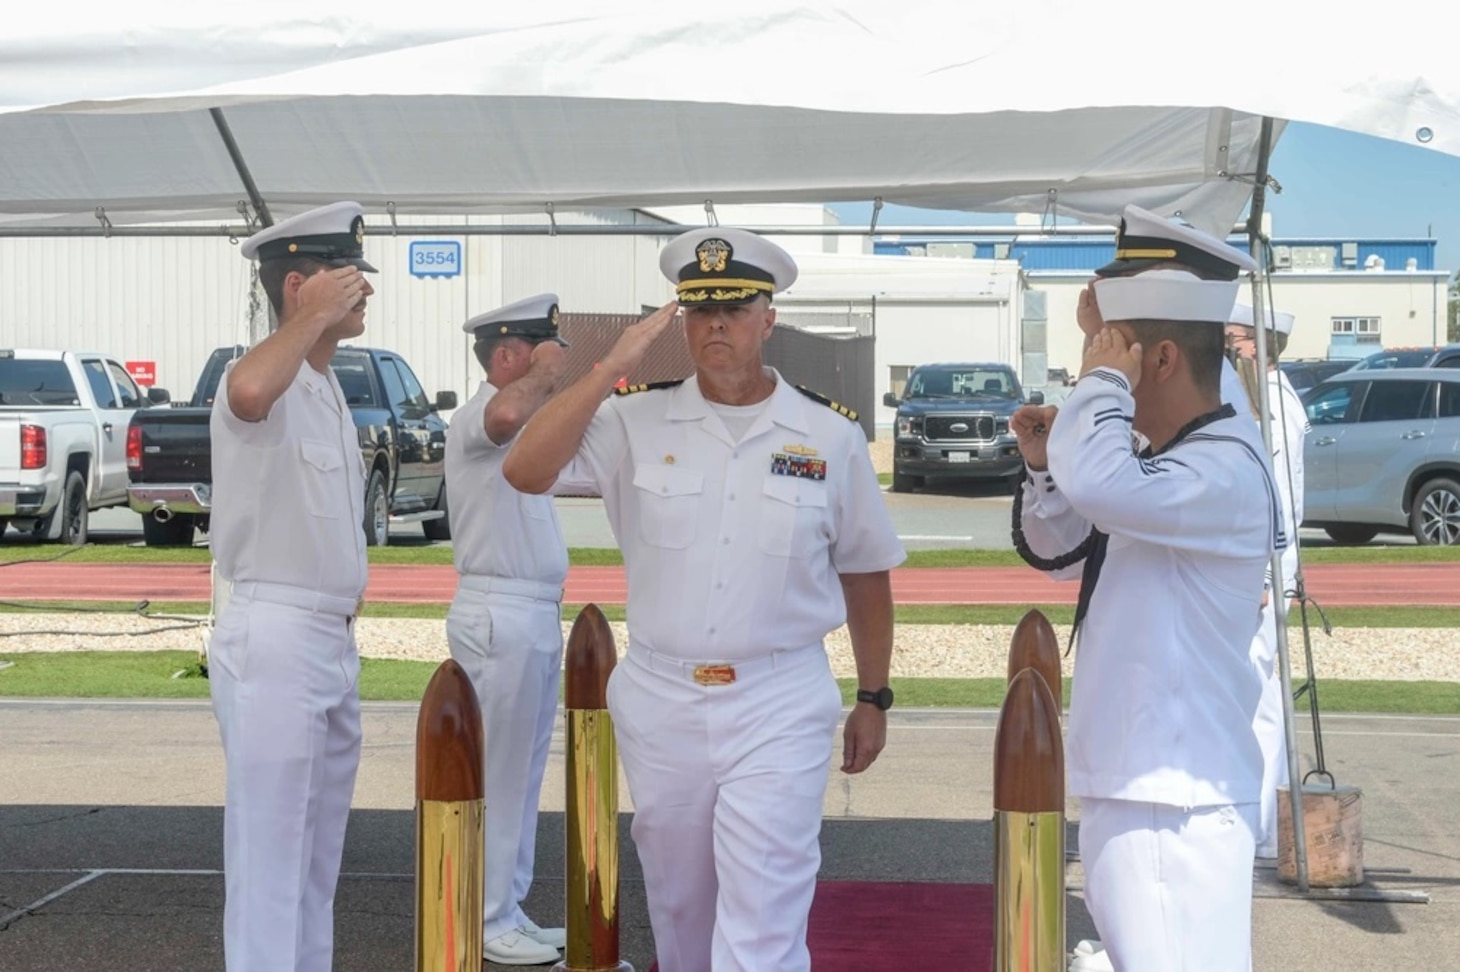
(1384, 455)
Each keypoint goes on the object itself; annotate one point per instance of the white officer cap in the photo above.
(1145, 240)
(533, 319)
(1278, 321)
(1165, 295)
(723, 265)
(333, 234)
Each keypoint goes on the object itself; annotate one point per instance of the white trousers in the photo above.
(1267, 724)
(727, 783)
(512, 649)
(1170, 890)
(285, 694)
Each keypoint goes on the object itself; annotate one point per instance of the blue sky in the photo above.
(1335, 183)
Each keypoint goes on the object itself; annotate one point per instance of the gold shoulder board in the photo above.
(818, 397)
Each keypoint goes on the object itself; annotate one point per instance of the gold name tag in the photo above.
(715, 674)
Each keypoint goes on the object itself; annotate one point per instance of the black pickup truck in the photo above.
(953, 424)
(403, 439)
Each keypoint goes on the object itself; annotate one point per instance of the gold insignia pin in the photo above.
(669, 460)
(713, 255)
(796, 449)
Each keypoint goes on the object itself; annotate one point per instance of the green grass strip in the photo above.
(175, 675)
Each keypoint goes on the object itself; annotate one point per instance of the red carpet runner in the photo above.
(874, 926)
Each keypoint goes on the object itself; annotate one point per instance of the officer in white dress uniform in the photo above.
(751, 525)
(288, 504)
(1289, 424)
(1161, 751)
(504, 624)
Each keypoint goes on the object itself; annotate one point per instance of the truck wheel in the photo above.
(4, 522)
(176, 532)
(438, 529)
(902, 483)
(72, 510)
(1435, 516)
(377, 511)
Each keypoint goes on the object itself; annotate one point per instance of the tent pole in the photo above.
(1279, 589)
(234, 153)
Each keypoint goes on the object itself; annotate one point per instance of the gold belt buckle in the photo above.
(714, 674)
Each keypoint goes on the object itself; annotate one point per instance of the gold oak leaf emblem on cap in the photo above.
(714, 255)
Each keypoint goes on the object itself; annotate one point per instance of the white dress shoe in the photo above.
(1089, 946)
(552, 937)
(1095, 961)
(516, 948)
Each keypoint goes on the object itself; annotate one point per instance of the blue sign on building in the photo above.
(435, 258)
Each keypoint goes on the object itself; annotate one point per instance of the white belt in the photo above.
(719, 673)
(537, 590)
(345, 607)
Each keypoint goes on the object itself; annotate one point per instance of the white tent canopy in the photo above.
(1042, 106)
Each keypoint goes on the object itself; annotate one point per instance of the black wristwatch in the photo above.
(882, 698)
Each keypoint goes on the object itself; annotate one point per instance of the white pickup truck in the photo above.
(63, 439)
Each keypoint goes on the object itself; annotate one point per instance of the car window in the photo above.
(100, 382)
(1451, 362)
(958, 382)
(36, 381)
(131, 398)
(1398, 401)
(352, 371)
(1330, 405)
(1449, 399)
(415, 394)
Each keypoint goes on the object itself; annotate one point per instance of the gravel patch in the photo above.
(923, 650)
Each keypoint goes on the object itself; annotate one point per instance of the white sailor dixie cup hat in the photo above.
(1278, 321)
(722, 265)
(333, 234)
(533, 319)
(1145, 240)
(1166, 295)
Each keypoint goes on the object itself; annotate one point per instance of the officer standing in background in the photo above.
(1288, 426)
(1161, 752)
(751, 525)
(504, 625)
(288, 503)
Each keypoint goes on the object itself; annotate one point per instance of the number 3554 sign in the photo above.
(435, 258)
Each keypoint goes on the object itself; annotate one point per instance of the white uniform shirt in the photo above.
(289, 491)
(729, 554)
(496, 531)
(1164, 693)
(1289, 427)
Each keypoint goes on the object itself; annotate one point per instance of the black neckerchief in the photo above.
(1092, 548)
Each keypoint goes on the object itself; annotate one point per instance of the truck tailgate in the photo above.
(9, 447)
(176, 447)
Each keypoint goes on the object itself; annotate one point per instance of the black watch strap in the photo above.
(881, 698)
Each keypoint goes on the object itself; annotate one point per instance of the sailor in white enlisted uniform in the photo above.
(1288, 426)
(288, 537)
(504, 624)
(751, 525)
(1161, 751)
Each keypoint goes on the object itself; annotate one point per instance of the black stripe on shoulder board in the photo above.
(648, 386)
(818, 397)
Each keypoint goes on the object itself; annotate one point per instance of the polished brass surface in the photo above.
(1029, 892)
(592, 851)
(450, 843)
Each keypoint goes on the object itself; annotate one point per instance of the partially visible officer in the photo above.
(288, 503)
(504, 625)
(1161, 752)
(1287, 427)
(751, 525)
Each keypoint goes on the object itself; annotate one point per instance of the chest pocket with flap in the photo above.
(322, 478)
(793, 515)
(669, 505)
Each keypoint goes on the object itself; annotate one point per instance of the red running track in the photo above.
(1332, 585)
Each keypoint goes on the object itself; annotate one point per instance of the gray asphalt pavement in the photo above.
(110, 839)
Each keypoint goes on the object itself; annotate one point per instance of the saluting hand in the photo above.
(328, 297)
(634, 342)
(548, 360)
(1030, 425)
(1108, 350)
(1087, 312)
